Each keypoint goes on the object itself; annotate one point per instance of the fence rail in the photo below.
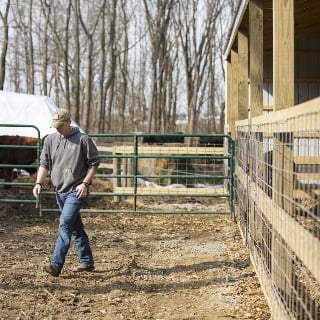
(159, 170)
(16, 154)
(277, 206)
(155, 166)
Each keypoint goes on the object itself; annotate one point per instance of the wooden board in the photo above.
(106, 166)
(104, 149)
(174, 150)
(174, 191)
(307, 111)
(308, 176)
(307, 160)
(300, 194)
(316, 192)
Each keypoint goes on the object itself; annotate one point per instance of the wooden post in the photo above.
(282, 183)
(283, 54)
(130, 171)
(243, 76)
(256, 57)
(256, 103)
(283, 90)
(282, 175)
(229, 102)
(124, 181)
(234, 94)
(116, 180)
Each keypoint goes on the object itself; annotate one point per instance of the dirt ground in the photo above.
(159, 267)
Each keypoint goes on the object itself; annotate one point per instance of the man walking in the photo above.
(71, 158)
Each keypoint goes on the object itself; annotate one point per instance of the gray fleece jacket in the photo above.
(68, 158)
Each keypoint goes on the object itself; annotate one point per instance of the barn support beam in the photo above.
(228, 97)
(243, 88)
(234, 93)
(256, 57)
(283, 90)
(283, 54)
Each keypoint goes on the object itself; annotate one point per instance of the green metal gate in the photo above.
(121, 156)
(193, 170)
(6, 151)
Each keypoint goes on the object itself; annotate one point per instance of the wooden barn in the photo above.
(273, 112)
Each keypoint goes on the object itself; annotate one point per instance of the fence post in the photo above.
(116, 172)
(282, 180)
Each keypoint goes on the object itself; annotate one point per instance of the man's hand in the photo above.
(41, 175)
(82, 191)
(36, 190)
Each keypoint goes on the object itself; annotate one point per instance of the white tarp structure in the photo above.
(26, 109)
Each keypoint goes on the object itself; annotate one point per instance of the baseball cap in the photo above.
(59, 117)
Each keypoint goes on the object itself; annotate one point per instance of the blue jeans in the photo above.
(70, 224)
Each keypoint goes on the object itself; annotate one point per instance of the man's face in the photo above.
(64, 128)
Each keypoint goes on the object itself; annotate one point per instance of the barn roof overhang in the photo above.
(306, 22)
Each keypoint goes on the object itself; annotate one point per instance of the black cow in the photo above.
(163, 139)
(215, 141)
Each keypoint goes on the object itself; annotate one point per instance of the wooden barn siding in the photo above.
(307, 72)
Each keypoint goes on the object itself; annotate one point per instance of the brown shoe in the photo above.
(51, 270)
(83, 268)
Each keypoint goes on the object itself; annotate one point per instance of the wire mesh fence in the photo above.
(277, 206)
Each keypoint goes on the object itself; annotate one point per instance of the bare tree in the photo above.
(100, 112)
(119, 65)
(123, 65)
(231, 7)
(30, 50)
(197, 52)
(158, 20)
(23, 24)
(46, 9)
(89, 65)
(65, 54)
(75, 72)
(112, 57)
(4, 49)
(137, 80)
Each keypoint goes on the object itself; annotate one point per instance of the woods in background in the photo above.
(120, 65)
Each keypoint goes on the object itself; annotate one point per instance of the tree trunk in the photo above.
(46, 9)
(5, 37)
(30, 52)
(75, 75)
